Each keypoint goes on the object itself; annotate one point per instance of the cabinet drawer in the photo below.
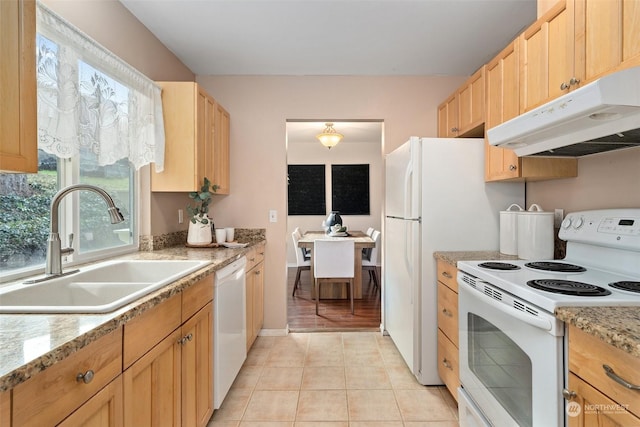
(447, 275)
(588, 354)
(255, 256)
(448, 312)
(196, 296)
(148, 329)
(448, 364)
(51, 395)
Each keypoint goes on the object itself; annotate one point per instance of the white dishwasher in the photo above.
(230, 330)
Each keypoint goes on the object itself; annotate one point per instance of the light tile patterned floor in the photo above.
(348, 379)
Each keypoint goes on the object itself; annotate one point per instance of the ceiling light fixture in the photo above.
(329, 137)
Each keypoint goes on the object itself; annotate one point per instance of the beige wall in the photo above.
(259, 107)
(313, 152)
(606, 180)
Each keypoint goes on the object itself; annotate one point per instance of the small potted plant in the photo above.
(200, 225)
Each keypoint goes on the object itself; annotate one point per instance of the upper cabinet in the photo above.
(194, 148)
(462, 114)
(18, 125)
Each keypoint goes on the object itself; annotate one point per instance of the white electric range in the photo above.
(512, 347)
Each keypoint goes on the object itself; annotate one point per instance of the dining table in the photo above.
(337, 290)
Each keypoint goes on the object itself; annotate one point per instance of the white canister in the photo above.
(509, 230)
(535, 234)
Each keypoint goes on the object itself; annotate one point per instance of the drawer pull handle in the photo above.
(447, 312)
(185, 338)
(86, 378)
(447, 275)
(446, 363)
(618, 379)
(568, 394)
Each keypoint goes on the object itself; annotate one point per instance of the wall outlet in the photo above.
(180, 216)
(273, 215)
(558, 216)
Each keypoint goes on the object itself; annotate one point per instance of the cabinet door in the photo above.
(594, 408)
(18, 143)
(547, 57)
(258, 299)
(607, 36)
(204, 127)
(471, 103)
(197, 368)
(448, 117)
(249, 283)
(221, 168)
(152, 386)
(5, 408)
(102, 410)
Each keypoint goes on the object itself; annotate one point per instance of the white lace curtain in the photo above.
(90, 99)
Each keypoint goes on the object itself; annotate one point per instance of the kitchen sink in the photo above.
(99, 288)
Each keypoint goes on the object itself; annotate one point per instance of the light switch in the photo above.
(273, 215)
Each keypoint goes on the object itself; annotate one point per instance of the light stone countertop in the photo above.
(30, 343)
(617, 326)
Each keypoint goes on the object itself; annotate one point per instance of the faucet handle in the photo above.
(69, 250)
(70, 240)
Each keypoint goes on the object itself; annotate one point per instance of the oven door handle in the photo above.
(538, 322)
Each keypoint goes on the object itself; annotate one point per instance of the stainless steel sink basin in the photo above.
(100, 288)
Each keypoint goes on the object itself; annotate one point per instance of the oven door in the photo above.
(511, 361)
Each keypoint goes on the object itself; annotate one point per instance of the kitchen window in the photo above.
(99, 121)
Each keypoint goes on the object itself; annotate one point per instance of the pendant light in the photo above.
(329, 137)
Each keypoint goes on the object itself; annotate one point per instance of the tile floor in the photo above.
(331, 379)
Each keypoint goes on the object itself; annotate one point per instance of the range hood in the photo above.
(601, 116)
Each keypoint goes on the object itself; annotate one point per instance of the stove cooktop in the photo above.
(516, 282)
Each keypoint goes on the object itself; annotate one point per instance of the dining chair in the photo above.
(370, 231)
(333, 262)
(305, 251)
(302, 262)
(366, 252)
(371, 263)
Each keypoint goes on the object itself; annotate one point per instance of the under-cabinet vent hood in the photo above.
(601, 116)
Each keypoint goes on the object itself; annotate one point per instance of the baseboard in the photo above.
(273, 332)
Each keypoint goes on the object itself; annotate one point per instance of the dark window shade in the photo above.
(350, 189)
(306, 190)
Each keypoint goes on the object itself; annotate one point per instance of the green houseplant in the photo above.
(199, 226)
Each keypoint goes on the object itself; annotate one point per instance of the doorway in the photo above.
(308, 160)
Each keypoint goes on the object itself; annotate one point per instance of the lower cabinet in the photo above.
(448, 327)
(597, 397)
(104, 409)
(70, 385)
(171, 384)
(255, 293)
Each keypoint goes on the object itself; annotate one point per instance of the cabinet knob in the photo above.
(454, 129)
(447, 312)
(574, 81)
(568, 394)
(86, 378)
(184, 339)
(446, 363)
(447, 275)
(512, 167)
(564, 86)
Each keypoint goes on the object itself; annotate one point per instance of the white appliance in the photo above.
(436, 200)
(601, 116)
(230, 328)
(512, 347)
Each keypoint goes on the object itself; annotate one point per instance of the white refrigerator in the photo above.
(436, 200)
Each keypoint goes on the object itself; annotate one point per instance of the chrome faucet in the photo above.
(53, 267)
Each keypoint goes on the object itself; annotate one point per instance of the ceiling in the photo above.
(302, 132)
(334, 37)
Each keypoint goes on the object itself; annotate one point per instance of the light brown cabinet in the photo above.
(601, 400)
(462, 114)
(18, 123)
(102, 410)
(448, 366)
(170, 379)
(52, 395)
(194, 149)
(254, 293)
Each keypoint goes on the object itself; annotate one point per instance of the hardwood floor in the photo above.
(334, 315)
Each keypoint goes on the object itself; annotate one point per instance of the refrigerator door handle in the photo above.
(407, 190)
(408, 251)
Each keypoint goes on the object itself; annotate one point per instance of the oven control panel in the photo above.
(617, 228)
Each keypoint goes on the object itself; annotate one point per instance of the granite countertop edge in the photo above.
(14, 372)
(618, 326)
